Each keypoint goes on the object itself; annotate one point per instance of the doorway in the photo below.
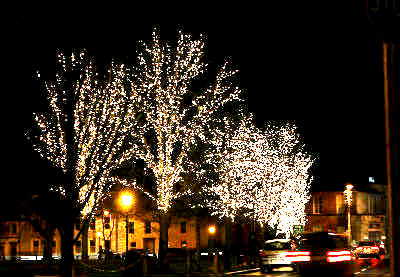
(149, 244)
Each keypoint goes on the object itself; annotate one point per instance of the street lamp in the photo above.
(126, 202)
(348, 197)
(211, 231)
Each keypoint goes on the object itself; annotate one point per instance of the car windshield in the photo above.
(366, 243)
(277, 245)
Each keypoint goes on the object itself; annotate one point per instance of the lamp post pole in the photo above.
(126, 201)
(349, 223)
(126, 233)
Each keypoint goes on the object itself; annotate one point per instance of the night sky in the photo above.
(319, 65)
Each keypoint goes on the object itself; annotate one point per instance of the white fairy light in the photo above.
(162, 79)
(101, 120)
(261, 176)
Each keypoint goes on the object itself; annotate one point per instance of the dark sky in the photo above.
(316, 63)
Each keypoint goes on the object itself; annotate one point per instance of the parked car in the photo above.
(277, 253)
(329, 255)
(132, 263)
(178, 259)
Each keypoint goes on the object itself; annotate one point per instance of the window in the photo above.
(317, 204)
(147, 227)
(92, 246)
(92, 225)
(133, 244)
(183, 227)
(78, 246)
(131, 227)
(339, 203)
(371, 204)
(35, 243)
(53, 243)
(13, 228)
(107, 221)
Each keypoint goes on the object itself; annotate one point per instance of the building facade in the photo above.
(327, 211)
(19, 239)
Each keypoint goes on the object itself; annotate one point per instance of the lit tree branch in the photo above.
(103, 113)
(162, 79)
(263, 175)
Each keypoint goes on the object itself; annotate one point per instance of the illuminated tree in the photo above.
(263, 174)
(174, 116)
(82, 134)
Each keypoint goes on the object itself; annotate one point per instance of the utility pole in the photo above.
(392, 153)
(385, 16)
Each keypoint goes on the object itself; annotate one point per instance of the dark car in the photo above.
(329, 255)
(178, 259)
(369, 252)
(132, 263)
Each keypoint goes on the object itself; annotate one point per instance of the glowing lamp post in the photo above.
(126, 202)
(348, 197)
(211, 231)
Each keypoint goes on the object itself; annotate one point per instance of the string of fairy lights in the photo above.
(163, 79)
(262, 176)
(268, 179)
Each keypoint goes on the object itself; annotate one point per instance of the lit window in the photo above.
(131, 227)
(317, 204)
(147, 227)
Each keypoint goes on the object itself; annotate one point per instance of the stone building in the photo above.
(327, 211)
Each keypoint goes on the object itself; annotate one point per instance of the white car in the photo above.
(277, 253)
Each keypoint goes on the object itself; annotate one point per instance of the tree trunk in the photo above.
(228, 247)
(47, 249)
(67, 246)
(85, 252)
(198, 244)
(163, 243)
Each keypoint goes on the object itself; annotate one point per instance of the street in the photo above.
(376, 271)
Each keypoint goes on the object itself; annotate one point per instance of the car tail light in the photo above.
(262, 253)
(338, 256)
(298, 256)
(374, 262)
